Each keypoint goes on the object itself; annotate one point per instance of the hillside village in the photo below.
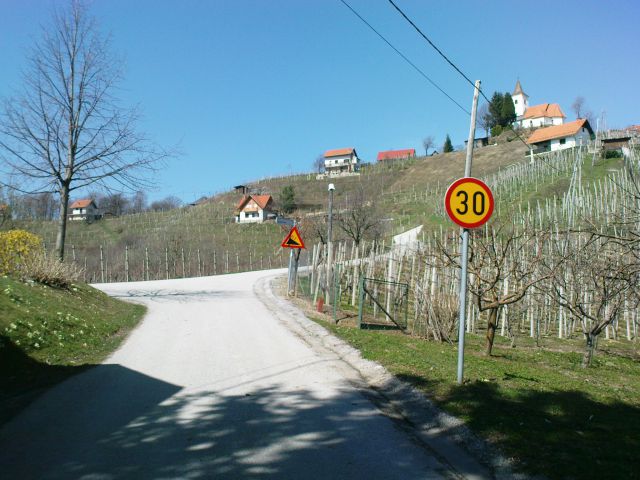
(403, 306)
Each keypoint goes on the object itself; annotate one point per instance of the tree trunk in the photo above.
(588, 353)
(62, 222)
(492, 323)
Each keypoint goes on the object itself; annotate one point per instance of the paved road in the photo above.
(210, 385)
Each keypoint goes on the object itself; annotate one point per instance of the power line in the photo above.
(404, 57)
(448, 61)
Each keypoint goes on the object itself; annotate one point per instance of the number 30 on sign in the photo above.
(469, 202)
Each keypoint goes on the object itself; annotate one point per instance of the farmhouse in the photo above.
(254, 209)
(85, 209)
(341, 161)
(390, 155)
(543, 115)
(562, 136)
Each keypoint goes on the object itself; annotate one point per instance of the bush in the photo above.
(496, 131)
(49, 271)
(613, 154)
(16, 248)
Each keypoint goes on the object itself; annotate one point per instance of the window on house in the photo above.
(515, 102)
(563, 141)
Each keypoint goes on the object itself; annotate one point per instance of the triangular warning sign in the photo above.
(293, 239)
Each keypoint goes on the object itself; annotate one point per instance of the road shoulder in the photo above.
(445, 436)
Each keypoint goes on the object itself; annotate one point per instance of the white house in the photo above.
(85, 209)
(341, 161)
(254, 209)
(543, 115)
(562, 136)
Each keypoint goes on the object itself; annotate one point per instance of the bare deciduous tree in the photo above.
(359, 218)
(318, 164)
(484, 118)
(428, 143)
(66, 130)
(578, 106)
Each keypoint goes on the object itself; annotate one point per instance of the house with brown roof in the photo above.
(563, 136)
(342, 161)
(84, 209)
(390, 155)
(254, 209)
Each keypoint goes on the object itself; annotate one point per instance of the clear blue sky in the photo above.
(251, 89)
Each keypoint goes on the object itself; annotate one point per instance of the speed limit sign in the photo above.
(469, 202)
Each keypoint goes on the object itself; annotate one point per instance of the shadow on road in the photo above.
(112, 422)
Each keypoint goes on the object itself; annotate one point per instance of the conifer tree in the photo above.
(448, 146)
(508, 111)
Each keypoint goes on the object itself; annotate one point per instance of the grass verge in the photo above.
(48, 334)
(538, 405)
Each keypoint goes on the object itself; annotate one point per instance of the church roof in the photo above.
(518, 89)
(544, 110)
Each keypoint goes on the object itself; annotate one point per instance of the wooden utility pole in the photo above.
(465, 240)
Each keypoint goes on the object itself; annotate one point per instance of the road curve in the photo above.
(211, 385)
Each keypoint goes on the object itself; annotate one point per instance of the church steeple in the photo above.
(520, 99)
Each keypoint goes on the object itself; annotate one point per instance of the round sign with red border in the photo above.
(469, 202)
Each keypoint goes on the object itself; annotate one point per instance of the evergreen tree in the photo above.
(288, 199)
(508, 111)
(495, 109)
(448, 146)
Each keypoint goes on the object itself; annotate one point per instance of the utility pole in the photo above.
(331, 189)
(465, 240)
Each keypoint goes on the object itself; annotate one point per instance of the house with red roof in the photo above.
(391, 155)
(342, 161)
(543, 115)
(84, 209)
(255, 209)
(558, 137)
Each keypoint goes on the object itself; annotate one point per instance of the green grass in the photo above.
(538, 405)
(48, 334)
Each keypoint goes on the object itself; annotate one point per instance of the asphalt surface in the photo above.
(213, 385)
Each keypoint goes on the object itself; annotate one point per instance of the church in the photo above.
(542, 115)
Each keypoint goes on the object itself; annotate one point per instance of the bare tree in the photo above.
(66, 130)
(484, 118)
(428, 143)
(360, 218)
(593, 285)
(318, 164)
(167, 203)
(501, 274)
(578, 106)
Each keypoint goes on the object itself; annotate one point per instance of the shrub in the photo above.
(496, 131)
(49, 271)
(17, 247)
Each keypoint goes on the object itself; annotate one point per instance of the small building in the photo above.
(478, 142)
(391, 155)
(85, 209)
(242, 189)
(254, 209)
(341, 161)
(563, 136)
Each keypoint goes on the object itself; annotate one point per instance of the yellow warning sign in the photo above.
(293, 239)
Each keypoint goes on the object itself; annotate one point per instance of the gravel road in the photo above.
(215, 384)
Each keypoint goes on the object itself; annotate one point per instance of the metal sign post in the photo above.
(464, 251)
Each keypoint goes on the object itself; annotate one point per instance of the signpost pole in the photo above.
(465, 240)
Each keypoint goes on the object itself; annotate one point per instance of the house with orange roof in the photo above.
(255, 209)
(84, 209)
(390, 155)
(558, 137)
(542, 115)
(342, 161)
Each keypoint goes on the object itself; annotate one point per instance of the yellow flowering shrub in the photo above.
(17, 247)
